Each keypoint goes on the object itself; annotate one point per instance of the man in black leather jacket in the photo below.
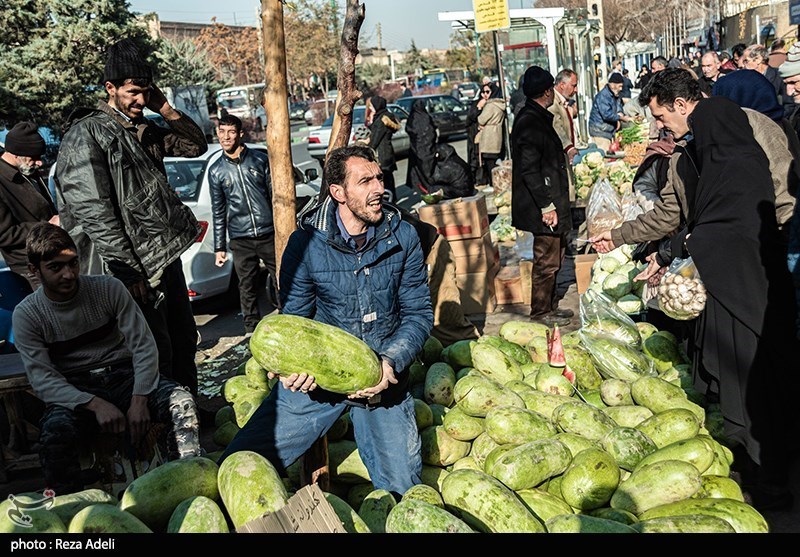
(115, 201)
(241, 204)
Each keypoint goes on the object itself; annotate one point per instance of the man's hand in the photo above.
(625, 118)
(220, 258)
(296, 382)
(571, 154)
(158, 103)
(603, 243)
(550, 218)
(108, 416)
(55, 220)
(387, 378)
(138, 418)
(652, 273)
(139, 291)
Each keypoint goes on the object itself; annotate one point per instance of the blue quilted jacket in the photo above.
(379, 294)
(605, 114)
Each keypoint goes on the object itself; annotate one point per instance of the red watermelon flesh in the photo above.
(555, 350)
(569, 374)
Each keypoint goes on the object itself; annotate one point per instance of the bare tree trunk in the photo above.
(279, 134)
(348, 92)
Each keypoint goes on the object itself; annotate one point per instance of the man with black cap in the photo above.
(116, 202)
(606, 114)
(24, 197)
(540, 193)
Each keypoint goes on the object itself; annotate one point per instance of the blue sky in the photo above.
(401, 20)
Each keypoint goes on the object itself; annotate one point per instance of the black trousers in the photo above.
(247, 255)
(172, 323)
(548, 256)
(63, 431)
(489, 162)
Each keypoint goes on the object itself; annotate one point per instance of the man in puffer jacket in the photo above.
(354, 264)
(606, 115)
(115, 201)
(241, 204)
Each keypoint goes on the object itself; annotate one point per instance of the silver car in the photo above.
(319, 138)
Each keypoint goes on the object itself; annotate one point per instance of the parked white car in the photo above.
(189, 179)
(319, 138)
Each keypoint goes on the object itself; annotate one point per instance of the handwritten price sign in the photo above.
(491, 15)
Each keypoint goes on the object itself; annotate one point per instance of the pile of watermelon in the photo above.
(595, 431)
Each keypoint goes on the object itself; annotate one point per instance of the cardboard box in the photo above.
(513, 284)
(508, 286)
(475, 255)
(477, 291)
(458, 219)
(583, 270)
(525, 269)
(306, 512)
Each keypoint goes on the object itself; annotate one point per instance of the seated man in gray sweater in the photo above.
(91, 358)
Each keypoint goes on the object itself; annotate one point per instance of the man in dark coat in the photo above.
(382, 127)
(540, 193)
(24, 197)
(117, 204)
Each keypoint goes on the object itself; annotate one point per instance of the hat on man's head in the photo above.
(24, 140)
(791, 66)
(615, 78)
(125, 62)
(537, 81)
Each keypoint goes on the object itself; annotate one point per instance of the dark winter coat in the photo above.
(472, 130)
(539, 172)
(241, 197)
(452, 173)
(383, 127)
(24, 201)
(422, 135)
(746, 334)
(379, 294)
(113, 195)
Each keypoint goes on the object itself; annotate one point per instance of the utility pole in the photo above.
(276, 106)
(380, 38)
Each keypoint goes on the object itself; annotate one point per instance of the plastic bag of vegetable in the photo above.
(601, 315)
(615, 359)
(681, 293)
(604, 208)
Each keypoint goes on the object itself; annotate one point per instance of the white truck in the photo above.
(192, 101)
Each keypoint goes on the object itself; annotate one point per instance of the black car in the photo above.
(297, 110)
(449, 114)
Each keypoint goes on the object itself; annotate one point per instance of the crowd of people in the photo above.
(722, 172)
(108, 338)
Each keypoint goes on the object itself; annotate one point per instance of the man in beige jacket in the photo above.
(564, 111)
(672, 96)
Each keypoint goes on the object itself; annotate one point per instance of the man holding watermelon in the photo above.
(355, 264)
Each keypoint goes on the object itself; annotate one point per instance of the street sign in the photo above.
(794, 12)
(491, 15)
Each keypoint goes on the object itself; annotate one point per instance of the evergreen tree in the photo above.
(52, 55)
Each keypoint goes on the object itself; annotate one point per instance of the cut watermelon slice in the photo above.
(555, 350)
(569, 374)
